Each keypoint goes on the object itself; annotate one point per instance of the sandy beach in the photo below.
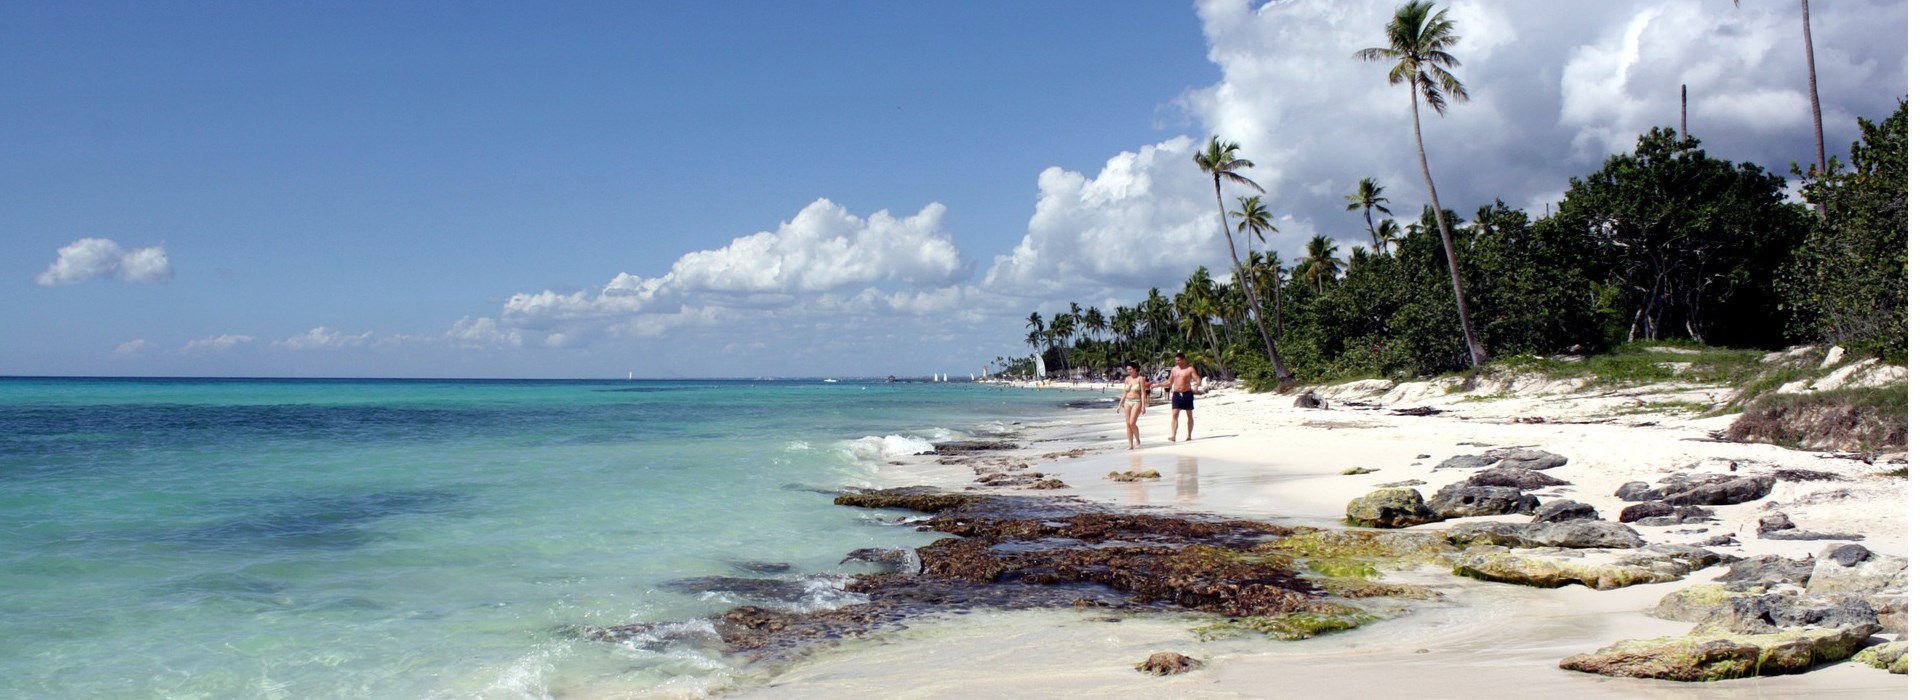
(1261, 457)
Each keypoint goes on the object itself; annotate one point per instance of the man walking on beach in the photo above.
(1180, 388)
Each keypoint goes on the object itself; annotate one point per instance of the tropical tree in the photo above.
(1254, 221)
(1848, 283)
(1417, 43)
(1387, 233)
(1198, 304)
(1221, 160)
(1368, 198)
(1061, 330)
(1321, 263)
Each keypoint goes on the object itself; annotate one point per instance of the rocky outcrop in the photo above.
(1527, 458)
(1766, 571)
(1572, 534)
(1721, 656)
(1390, 508)
(1563, 511)
(1599, 569)
(1891, 656)
(1718, 490)
(1464, 500)
(1514, 477)
(1167, 663)
(1664, 513)
(1511, 457)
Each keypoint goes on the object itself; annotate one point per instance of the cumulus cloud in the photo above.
(824, 252)
(321, 337)
(219, 343)
(1146, 215)
(1553, 92)
(93, 258)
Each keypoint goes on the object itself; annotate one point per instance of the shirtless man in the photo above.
(1180, 386)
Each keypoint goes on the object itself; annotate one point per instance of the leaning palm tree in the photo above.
(1220, 160)
(1417, 44)
(1369, 197)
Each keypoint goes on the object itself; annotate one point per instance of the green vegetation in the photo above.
(1326, 617)
(1867, 419)
(1647, 270)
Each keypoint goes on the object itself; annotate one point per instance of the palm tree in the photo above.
(1417, 44)
(1320, 263)
(1369, 197)
(1388, 232)
(1220, 160)
(1094, 323)
(1197, 305)
(1254, 221)
(1061, 331)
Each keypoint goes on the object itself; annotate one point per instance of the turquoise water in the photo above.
(432, 539)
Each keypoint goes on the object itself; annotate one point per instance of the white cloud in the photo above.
(93, 258)
(133, 347)
(482, 332)
(1553, 93)
(824, 252)
(323, 337)
(219, 343)
(1148, 216)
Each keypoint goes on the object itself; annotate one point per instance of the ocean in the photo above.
(193, 538)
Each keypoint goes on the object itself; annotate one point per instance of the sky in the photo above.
(781, 189)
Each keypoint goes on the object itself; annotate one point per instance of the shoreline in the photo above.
(1258, 457)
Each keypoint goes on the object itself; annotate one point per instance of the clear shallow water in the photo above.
(378, 538)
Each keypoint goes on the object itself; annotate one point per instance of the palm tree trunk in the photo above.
(1475, 354)
(1813, 94)
(1280, 371)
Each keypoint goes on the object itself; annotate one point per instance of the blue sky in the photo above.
(773, 189)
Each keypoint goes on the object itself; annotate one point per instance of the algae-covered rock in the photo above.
(1418, 547)
(1552, 567)
(1167, 663)
(918, 498)
(1301, 624)
(1691, 604)
(1891, 656)
(1720, 656)
(1390, 508)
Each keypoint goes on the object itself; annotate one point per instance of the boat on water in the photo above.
(831, 380)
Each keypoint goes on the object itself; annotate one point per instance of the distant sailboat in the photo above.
(629, 375)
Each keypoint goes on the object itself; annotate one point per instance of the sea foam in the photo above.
(875, 449)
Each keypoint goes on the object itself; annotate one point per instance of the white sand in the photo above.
(1258, 456)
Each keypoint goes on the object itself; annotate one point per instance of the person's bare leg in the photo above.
(1189, 425)
(1176, 425)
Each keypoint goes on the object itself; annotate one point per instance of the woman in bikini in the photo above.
(1133, 402)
